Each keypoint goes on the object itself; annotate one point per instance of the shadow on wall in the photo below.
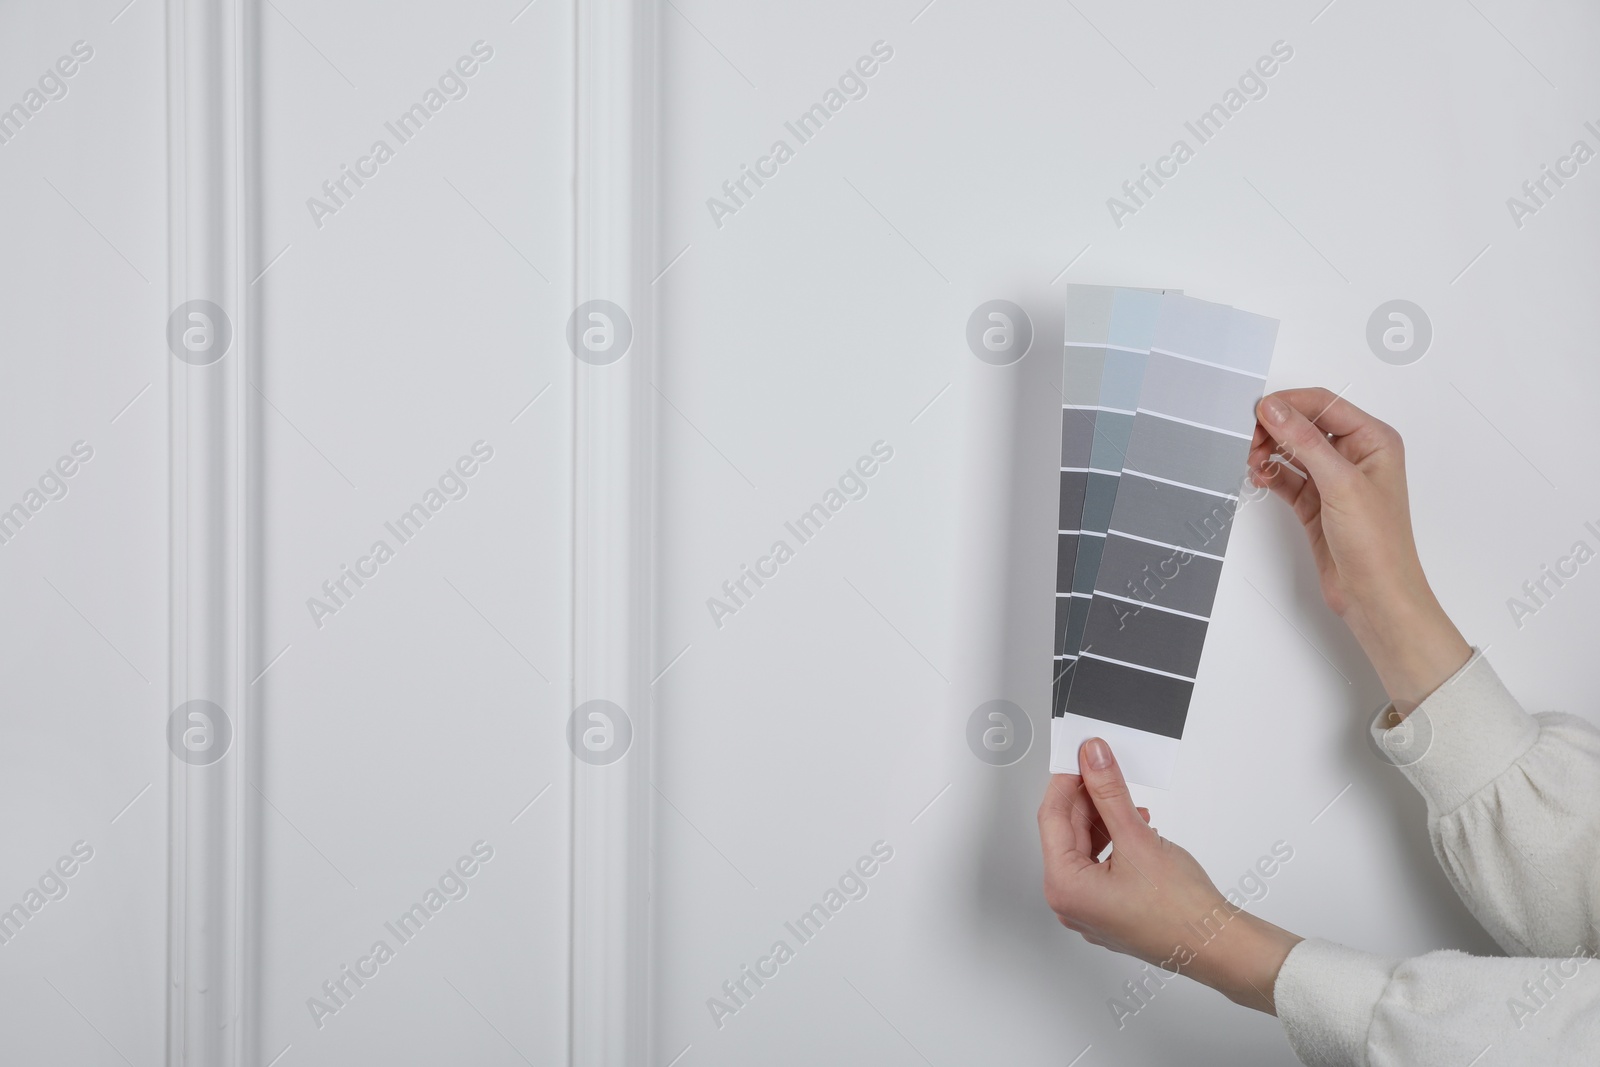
(1009, 875)
(1006, 615)
(1001, 650)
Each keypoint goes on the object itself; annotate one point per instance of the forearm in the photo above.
(1242, 962)
(1412, 644)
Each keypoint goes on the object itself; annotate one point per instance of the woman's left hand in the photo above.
(1149, 898)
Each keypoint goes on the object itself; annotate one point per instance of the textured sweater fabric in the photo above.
(1514, 816)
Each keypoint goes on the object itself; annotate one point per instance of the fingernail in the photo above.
(1097, 753)
(1276, 409)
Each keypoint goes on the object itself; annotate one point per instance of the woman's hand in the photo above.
(1357, 516)
(1148, 898)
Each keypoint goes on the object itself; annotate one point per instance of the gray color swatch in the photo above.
(1077, 437)
(1121, 378)
(1156, 575)
(1198, 393)
(1109, 446)
(1073, 486)
(1066, 553)
(1088, 565)
(1149, 637)
(1099, 498)
(1142, 633)
(1182, 453)
(1129, 697)
(1184, 518)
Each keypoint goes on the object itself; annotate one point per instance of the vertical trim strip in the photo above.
(206, 623)
(613, 454)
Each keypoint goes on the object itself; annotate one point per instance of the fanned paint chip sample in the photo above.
(1154, 484)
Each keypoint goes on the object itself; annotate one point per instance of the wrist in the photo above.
(1246, 967)
(1412, 644)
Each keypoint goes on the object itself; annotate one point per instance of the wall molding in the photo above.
(212, 96)
(613, 458)
(208, 728)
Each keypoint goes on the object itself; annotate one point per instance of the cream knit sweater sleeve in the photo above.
(1514, 815)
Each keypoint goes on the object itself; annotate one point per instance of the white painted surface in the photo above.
(816, 320)
(412, 723)
(830, 712)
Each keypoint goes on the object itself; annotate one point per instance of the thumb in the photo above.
(1300, 439)
(1103, 780)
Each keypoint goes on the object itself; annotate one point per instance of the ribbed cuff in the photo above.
(1326, 995)
(1460, 739)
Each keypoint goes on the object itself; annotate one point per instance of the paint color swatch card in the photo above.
(1107, 342)
(1160, 485)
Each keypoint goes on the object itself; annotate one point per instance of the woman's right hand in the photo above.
(1356, 514)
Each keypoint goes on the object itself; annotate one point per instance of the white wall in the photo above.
(826, 315)
(425, 714)
(827, 713)
(84, 582)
